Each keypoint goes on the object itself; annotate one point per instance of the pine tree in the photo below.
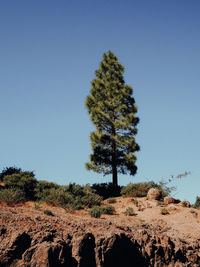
(113, 111)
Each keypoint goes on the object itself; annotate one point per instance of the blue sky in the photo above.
(49, 52)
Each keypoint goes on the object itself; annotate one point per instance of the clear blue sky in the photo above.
(49, 51)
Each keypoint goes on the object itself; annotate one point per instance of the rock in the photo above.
(49, 254)
(168, 200)
(84, 242)
(14, 248)
(185, 204)
(154, 194)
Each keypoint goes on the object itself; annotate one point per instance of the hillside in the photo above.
(29, 237)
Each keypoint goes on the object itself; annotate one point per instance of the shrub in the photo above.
(111, 200)
(95, 212)
(197, 203)
(12, 196)
(129, 212)
(91, 199)
(9, 171)
(24, 181)
(73, 197)
(108, 209)
(135, 202)
(138, 189)
(164, 211)
(48, 212)
(106, 190)
(56, 196)
(74, 189)
(44, 185)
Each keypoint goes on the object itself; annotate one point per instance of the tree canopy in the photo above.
(112, 110)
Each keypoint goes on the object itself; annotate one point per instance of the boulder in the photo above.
(154, 194)
(169, 200)
(185, 203)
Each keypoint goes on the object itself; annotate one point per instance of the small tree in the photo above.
(24, 181)
(113, 111)
(9, 171)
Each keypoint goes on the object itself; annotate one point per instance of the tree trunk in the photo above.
(114, 175)
(114, 166)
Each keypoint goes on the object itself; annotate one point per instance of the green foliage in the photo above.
(197, 203)
(48, 212)
(111, 200)
(44, 185)
(95, 212)
(24, 181)
(106, 190)
(113, 111)
(164, 211)
(138, 189)
(108, 209)
(9, 171)
(12, 196)
(135, 201)
(91, 199)
(73, 196)
(129, 212)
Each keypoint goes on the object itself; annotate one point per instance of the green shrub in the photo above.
(111, 200)
(73, 196)
(24, 181)
(95, 212)
(135, 202)
(138, 189)
(108, 209)
(44, 185)
(9, 171)
(12, 196)
(75, 190)
(197, 203)
(129, 212)
(91, 199)
(57, 196)
(48, 212)
(164, 211)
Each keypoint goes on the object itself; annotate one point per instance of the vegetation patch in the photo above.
(108, 209)
(164, 211)
(139, 189)
(12, 196)
(197, 203)
(99, 210)
(95, 212)
(130, 212)
(135, 202)
(111, 200)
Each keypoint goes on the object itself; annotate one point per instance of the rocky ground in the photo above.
(28, 237)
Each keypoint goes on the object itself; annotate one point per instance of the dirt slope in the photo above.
(28, 237)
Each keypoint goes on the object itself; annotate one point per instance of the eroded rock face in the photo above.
(13, 247)
(120, 250)
(89, 243)
(154, 194)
